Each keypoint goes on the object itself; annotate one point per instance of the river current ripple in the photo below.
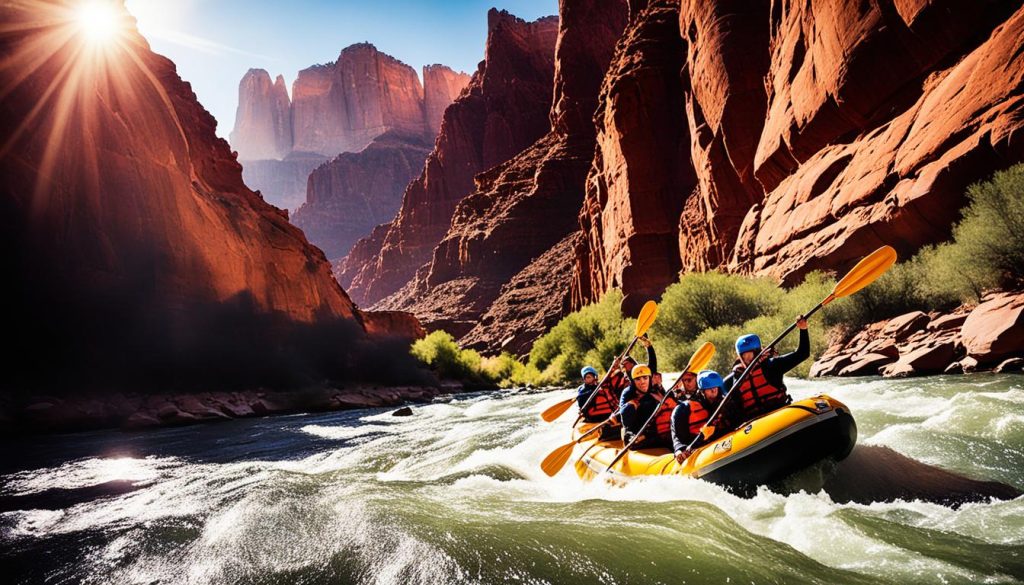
(454, 494)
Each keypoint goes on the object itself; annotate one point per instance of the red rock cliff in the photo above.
(502, 111)
(263, 122)
(641, 172)
(129, 231)
(817, 131)
(523, 208)
(441, 85)
(356, 191)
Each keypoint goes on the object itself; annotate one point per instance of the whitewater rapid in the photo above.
(454, 493)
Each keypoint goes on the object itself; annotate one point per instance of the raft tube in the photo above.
(759, 452)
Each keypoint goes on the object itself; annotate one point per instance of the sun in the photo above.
(98, 21)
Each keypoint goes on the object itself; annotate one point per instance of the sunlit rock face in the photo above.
(342, 106)
(496, 253)
(126, 226)
(349, 195)
(503, 110)
(817, 131)
(441, 85)
(263, 122)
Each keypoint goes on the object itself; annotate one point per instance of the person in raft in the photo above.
(763, 390)
(689, 416)
(604, 405)
(622, 373)
(639, 400)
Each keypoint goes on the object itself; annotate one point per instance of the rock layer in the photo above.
(502, 111)
(263, 122)
(342, 106)
(967, 339)
(140, 256)
(441, 85)
(641, 172)
(495, 234)
(356, 191)
(818, 131)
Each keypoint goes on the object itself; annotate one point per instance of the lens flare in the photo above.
(98, 21)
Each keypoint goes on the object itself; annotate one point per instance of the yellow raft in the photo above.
(759, 452)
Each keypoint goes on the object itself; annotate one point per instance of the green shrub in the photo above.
(706, 300)
(439, 351)
(594, 335)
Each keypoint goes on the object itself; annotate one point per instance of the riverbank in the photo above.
(988, 336)
(131, 411)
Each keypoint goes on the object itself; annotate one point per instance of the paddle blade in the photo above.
(865, 272)
(556, 410)
(707, 432)
(646, 317)
(555, 460)
(700, 358)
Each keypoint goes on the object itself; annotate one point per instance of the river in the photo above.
(454, 494)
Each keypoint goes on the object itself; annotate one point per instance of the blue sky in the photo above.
(214, 42)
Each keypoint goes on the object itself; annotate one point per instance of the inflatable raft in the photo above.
(759, 452)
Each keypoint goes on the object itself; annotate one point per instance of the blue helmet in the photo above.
(709, 379)
(749, 342)
(588, 370)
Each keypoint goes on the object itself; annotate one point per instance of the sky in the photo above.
(214, 42)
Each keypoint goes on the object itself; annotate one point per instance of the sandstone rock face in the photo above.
(995, 329)
(441, 85)
(727, 60)
(282, 183)
(877, 125)
(523, 209)
(817, 132)
(962, 341)
(342, 106)
(363, 252)
(128, 228)
(356, 191)
(263, 122)
(641, 173)
(502, 111)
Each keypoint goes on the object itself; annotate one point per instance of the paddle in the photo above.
(864, 273)
(643, 322)
(698, 361)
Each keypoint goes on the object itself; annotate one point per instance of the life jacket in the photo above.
(605, 403)
(758, 394)
(663, 420)
(699, 414)
(617, 382)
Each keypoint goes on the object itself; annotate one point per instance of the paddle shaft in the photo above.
(604, 379)
(746, 371)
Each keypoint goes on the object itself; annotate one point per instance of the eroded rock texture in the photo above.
(263, 122)
(502, 111)
(356, 191)
(137, 252)
(441, 85)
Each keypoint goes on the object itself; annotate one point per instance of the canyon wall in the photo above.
(503, 110)
(263, 121)
(140, 256)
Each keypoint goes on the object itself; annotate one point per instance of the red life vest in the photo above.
(756, 392)
(698, 416)
(617, 382)
(605, 403)
(663, 420)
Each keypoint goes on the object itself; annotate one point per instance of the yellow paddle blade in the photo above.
(864, 273)
(646, 317)
(700, 358)
(555, 460)
(556, 410)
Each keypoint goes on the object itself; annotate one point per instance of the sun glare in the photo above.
(97, 20)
